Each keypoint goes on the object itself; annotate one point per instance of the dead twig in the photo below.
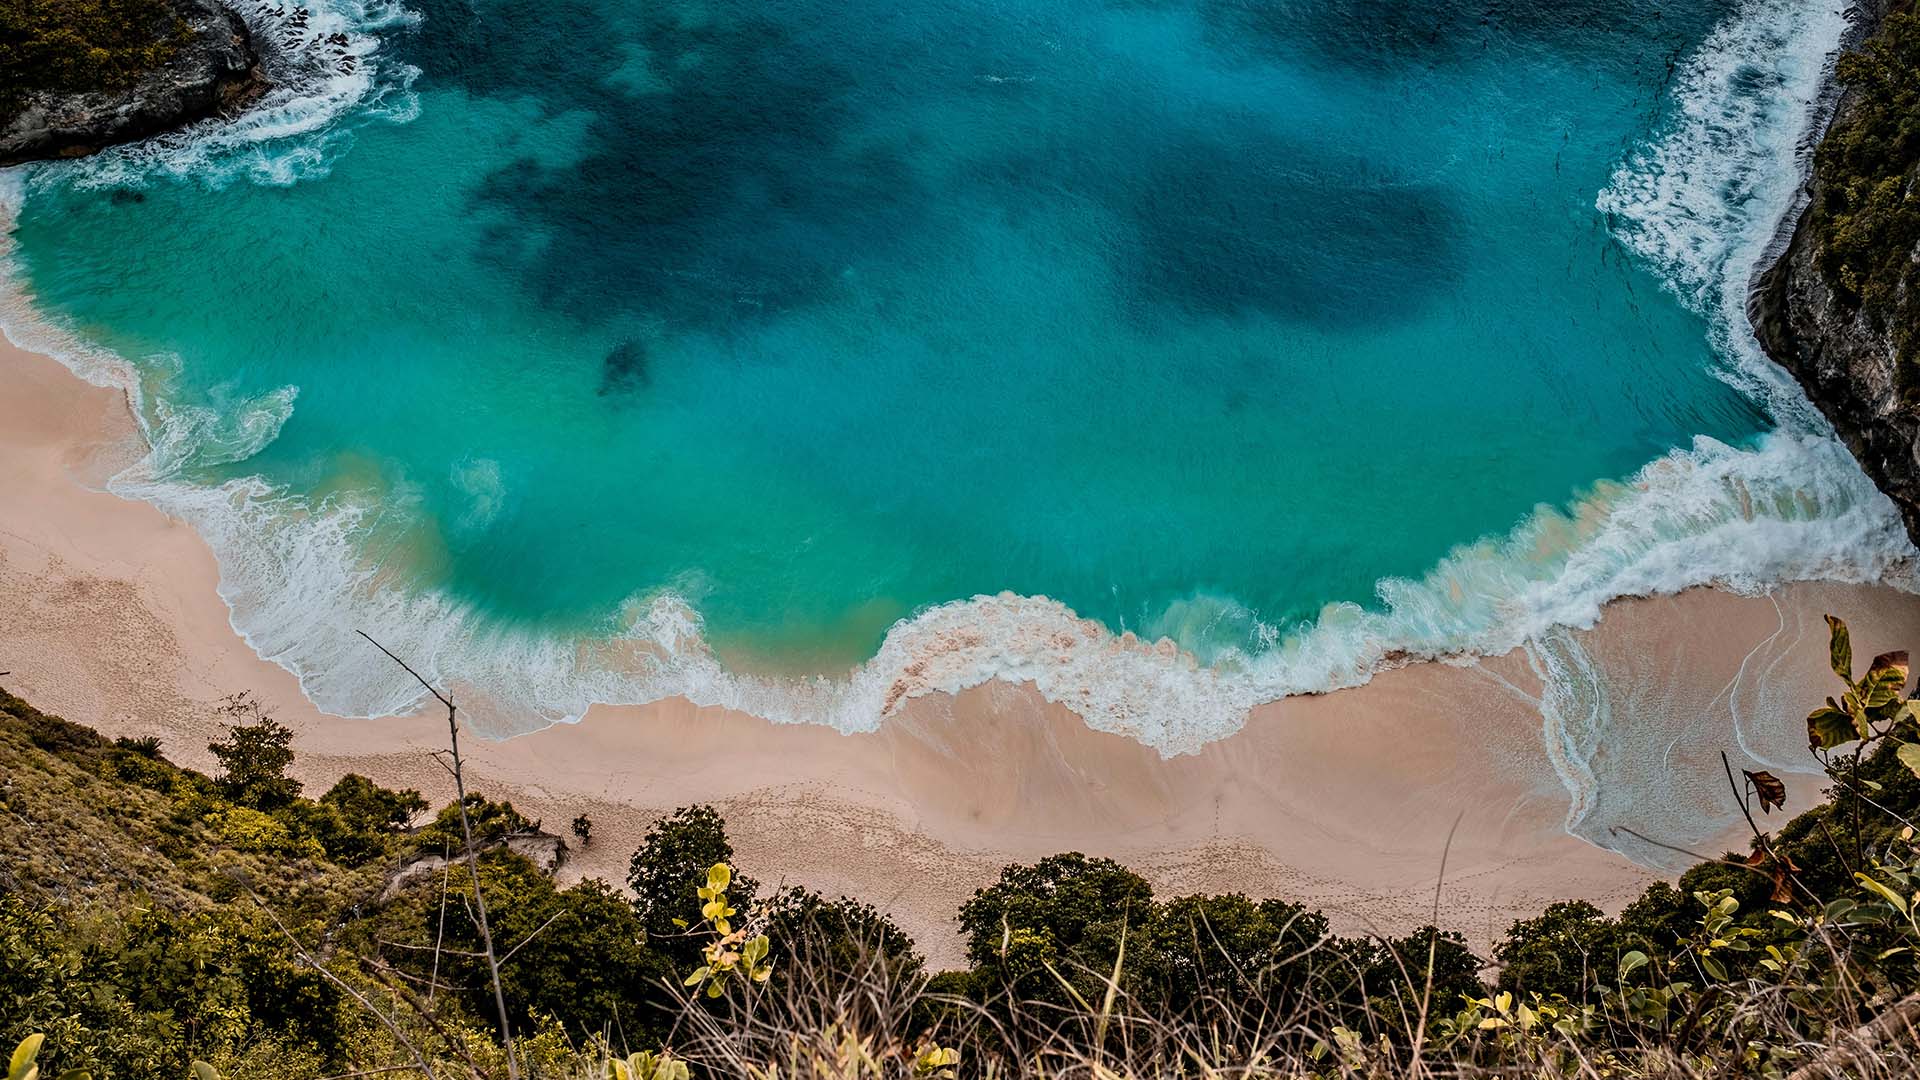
(473, 863)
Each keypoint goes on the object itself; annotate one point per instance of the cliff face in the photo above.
(1845, 352)
(214, 69)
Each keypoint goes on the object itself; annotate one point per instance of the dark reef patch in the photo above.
(1226, 228)
(1364, 32)
(720, 177)
(737, 162)
(624, 368)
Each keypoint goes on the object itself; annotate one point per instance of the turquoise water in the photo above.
(671, 346)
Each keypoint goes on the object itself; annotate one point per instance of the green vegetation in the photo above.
(157, 922)
(74, 46)
(1867, 221)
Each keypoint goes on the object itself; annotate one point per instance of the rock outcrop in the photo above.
(541, 848)
(1844, 355)
(214, 70)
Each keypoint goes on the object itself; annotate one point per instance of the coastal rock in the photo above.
(543, 849)
(215, 70)
(1847, 365)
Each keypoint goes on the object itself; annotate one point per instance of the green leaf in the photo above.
(1713, 968)
(719, 876)
(1856, 713)
(1828, 727)
(1633, 961)
(1840, 648)
(1909, 755)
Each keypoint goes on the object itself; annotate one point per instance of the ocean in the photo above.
(806, 357)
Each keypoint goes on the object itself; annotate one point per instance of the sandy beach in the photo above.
(1345, 800)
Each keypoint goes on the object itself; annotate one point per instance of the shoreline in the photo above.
(115, 622)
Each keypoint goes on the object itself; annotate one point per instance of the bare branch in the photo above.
(473, 862)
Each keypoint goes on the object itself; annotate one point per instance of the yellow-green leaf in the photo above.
(1633, 961)
(23, 1056)
(1885, 893)
(719, 876)
(204, 1071)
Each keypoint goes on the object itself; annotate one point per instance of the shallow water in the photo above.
(600, 350)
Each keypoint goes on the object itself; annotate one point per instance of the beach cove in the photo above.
(1385, 481)
(1344, 801)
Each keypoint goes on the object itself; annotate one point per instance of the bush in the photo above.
(1062, 918)
(255, 756)
(71, 46)
(489, 820)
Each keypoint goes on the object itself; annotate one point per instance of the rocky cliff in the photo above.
(1836, 309)
(212, 68)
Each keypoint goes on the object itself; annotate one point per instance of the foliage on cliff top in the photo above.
(77, 46)
(1868, 218)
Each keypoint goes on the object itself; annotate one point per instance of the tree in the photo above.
(577, 954)
(1567, 949)
(583, 828)
(1429, 964)
(1206, 950)
(837, 939)
(668, 870)
(357, 819)
(1067, 912)
(254, 756)
(489, 820)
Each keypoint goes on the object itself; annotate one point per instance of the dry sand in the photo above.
(109, 616)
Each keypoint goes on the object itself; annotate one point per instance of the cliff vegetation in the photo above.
(82, 46)
(1866, 220)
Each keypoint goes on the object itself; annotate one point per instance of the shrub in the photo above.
(254, 756)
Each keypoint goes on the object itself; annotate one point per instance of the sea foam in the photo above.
(326, 76)
(1700, 203)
